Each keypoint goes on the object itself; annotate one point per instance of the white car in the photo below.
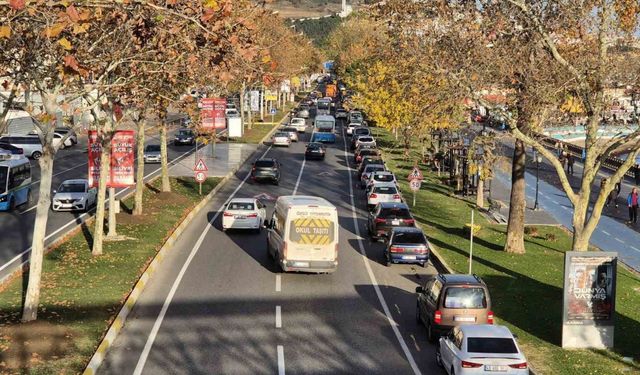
(244, 213)
(351, 126)
(481, 349)
(341, 113)
(380, 177)
(281, 139)
(74, 195)
(356, 116)
(383, 192)
(368, 170)
(293, 132)
(299, 123)
(366, 141)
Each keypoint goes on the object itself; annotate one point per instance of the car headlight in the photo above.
(3, 198)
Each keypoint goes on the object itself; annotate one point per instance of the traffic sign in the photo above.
(201, 177)
(415, 174)
(200, 166)
(415, 184)
(273, 111)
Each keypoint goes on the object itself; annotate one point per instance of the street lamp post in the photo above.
(538, 159)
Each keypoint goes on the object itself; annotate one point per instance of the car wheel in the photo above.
(36, 155)
(431, 336)
(12, 204)
(276, 182)
(387, 261)
(439, 356)
(269, 250)
(453, 372)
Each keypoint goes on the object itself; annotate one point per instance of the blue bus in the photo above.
(324, 129)
(15, 181)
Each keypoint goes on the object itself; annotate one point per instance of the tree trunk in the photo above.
(105, 159)
(32, 298)
(243, 115)
(515, 226)
(166, 183)
(480, 194)
(137, 210)
(581, 234)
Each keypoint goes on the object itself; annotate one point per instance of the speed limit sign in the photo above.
(415, 185)
(200, 177)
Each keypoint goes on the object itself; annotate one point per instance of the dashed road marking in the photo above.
(605, 232)
(619, 240)
(278, 283)
(281, 360)
(635, 248)
(278, 317)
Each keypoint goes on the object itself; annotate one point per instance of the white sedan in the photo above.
(74, 195)
(351, 126)
(366, 141)
(481, 349)
(299, 123)
(383, 192)
(244, 213)
(281, 139)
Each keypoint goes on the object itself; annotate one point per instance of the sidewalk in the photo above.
(228, 157)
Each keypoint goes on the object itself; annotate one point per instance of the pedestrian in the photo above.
(570, 164)
(558, 148)
(613, 195)
(632, 203)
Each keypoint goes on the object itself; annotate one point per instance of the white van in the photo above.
(303, 234)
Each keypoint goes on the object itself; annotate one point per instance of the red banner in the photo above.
(220, 105)
(121, 171)
(207, 113)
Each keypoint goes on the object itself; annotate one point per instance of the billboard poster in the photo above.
(219, 107)
(121, 170)
(255, 100)
(589, 288)
(207, 113)
(95, 150)
(122, 159)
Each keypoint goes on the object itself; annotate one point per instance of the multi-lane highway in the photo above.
(17, 226)
(217, 305)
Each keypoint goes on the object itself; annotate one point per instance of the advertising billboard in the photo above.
(589, 299)
(207, 113)
(219, 107)
(255, 100)
(121, 169)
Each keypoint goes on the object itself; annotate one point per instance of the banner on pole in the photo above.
(95, 150)
(121, 170)
(255, 100)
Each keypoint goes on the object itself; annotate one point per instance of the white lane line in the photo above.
(304, 162)
(156, 326)
(280, 360)
(605, 232)
(556, 202)
(619, 240)
(372, 277)
(564, 207)
(278, 317)
(635, 248)
(278, 283)
(59, 173)
(542, 194)
(79, 218)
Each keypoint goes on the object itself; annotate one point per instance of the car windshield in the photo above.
(394, 213)
(361, 131)
(297, 121)
(409, 238)
(383, 177)
(293, 130)
(240, 206)
(265, 164)
(281, 134)
(186, 133)
(373, 168)
(385, 190)
(497, 345)
(3, 179)
(314, 145)
(71, 188)
(465, 298)
(152, 148)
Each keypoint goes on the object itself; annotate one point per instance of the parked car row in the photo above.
(31, 146)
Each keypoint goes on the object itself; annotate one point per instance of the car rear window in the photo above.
(374, 168)
(385, 190)
(264, 164)
(368, 153)
(240, 206)
(289, 129)
(383, 177)
(409, 238)
(361, 131)
(498, 345)
(394, 212)
(281, 134)
(365, 139)
(465, 298)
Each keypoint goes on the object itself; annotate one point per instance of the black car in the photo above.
(11, 148)
(266, 170)
(386, 216)
(407, 245)
(366, 161)
(185, 137)
(314, 151)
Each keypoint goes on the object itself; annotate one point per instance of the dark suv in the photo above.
(386, 216)
(185, 137)
(448, 300)
(407, 245)
(266, 169)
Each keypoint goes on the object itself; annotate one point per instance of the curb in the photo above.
(118, 323)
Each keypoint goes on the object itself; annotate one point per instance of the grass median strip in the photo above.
(81, 294)
(526, 290)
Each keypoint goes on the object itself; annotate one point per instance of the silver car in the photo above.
(74, 195)
(152, 154)
(293, 133)
(30, 144)
(299, 123)
(365, 141)
(281, 139)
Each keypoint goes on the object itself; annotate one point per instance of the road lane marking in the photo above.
(304, 162)
(556, 202)
(372, 277)
(605, 232)
(59, 173)
(415, 342)
(156, 326)
(79, 218)
(278, 283)
(397, 308)
(635, 248)
(278, 317)
(619, 240)
(280, 360)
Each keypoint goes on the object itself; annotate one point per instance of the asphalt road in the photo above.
(17, 226)
(217, 305)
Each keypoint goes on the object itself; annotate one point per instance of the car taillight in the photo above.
(228, 214)
(421, 250)
(373, 195)
(380, 221)
(252, 215)
(396, 196)
(520, 366)
(395, 249)
(437, 317)
(467, 364)
(490, 317)
(409, 221)
(253, 169)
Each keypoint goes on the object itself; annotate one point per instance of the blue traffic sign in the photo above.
(273, 111)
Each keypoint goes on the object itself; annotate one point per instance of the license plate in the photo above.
(301, 264)
(395, 222)
(496, 368)
(242, 217)
(464, 318)
(408, 257)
